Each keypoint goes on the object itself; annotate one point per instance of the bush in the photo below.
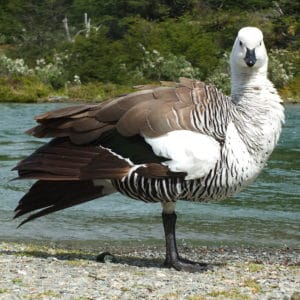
(97, 58)
(282, 66)
(157, 67)
(14, 67)
(49, 73)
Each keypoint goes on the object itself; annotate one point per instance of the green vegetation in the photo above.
(230, 294)
(93, 50)
(254, 267)
(17, 281)
(253, 285)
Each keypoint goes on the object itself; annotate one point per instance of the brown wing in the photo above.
(151, 113)
(61, 160)
(106, 140)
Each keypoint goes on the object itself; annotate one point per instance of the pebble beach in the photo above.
(43, 271)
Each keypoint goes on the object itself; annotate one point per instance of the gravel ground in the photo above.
(30, 271)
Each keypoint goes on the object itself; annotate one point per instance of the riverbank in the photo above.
(36, 271)
(31, 90)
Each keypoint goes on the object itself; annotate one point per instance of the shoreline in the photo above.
(64, 99)
(48, 271)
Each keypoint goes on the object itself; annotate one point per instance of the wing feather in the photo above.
(151, 112)
(62, 160)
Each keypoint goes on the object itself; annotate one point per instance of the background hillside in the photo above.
(96, 49)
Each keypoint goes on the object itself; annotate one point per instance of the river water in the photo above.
(265, 214)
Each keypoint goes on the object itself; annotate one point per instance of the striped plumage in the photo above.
(185, 141)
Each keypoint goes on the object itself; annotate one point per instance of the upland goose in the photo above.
(187, 142)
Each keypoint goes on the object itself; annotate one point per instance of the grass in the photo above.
(44, 295)
(22, 89)
(233, 294)
(48, 293)
(196, 297)
(30, 89)
(253, 285)
(17, 280)
(253, 267)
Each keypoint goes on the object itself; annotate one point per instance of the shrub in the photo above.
(97, 58)
(157, 67)
(282, 66)
(15, 67)
(52, 73)
(48, 73)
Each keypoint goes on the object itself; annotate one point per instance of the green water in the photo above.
(265, 214)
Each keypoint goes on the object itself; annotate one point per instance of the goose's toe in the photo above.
(181, 264)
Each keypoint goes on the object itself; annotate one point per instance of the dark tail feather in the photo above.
(51, 196)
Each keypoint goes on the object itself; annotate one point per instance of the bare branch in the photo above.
(66, 26)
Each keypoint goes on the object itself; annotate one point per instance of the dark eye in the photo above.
(241, 44)
(260, 44)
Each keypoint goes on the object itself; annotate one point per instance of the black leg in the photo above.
(173, 260)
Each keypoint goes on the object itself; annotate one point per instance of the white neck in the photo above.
(246, 82)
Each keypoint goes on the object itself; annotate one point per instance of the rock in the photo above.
(105, 257)
(295, 296)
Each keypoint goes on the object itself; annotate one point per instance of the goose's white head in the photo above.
(249, 52)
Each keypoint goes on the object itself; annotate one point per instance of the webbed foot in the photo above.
(181, 264)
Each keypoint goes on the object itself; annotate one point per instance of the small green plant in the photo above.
(17, 280)
(253, 267)
(196, 297)
(230, 294)
(253, 285)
